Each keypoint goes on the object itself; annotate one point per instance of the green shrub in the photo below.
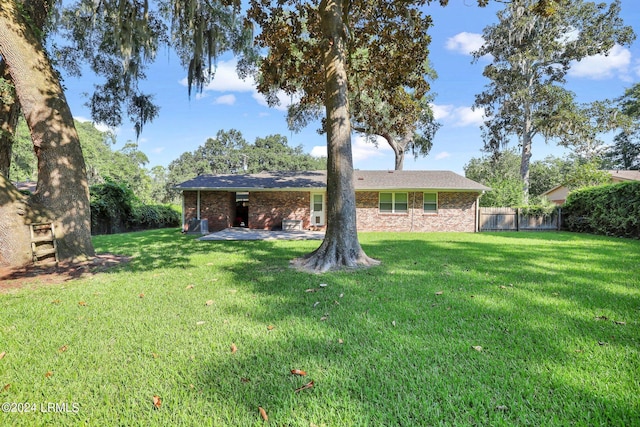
(115, 209)
(111, 207)
(147, 217)
(612, 210)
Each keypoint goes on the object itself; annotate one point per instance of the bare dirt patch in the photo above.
(15, 278)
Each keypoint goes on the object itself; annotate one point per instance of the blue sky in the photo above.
(230, 103)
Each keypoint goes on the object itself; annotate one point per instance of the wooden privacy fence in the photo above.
(512, 219)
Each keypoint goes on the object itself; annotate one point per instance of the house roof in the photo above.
(617, 175)
(363, 180)
(625, 175)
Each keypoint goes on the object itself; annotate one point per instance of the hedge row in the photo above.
(115, 209)
(612, 210)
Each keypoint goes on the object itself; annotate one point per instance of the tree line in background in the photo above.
(227, 152)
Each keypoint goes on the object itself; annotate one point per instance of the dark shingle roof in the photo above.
(363, 180)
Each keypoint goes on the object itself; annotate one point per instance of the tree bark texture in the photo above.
(15, 239)
(9, 114)
(340, 247)
(62, 192)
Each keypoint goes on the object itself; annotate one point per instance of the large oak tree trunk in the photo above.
(340, 247)
(62, 192)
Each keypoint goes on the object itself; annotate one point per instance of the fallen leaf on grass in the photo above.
(63, 349)
(82, 303)
(298, 372)
(602, 343)
(304, 387)
(323, 285)
(393, 323)
(619, 322)
(263, 413)
(233, 348)
(155, 355)
(602, 318)
(6, 387)
(502, 408)
(189, 287)
(270, 328)
(476, 347)
(200, 322)
(245, 380)
(209, 302)
(340, 341)
(48, 374)
(311, 290)
(341, 295)
(503, 287)
(323, 318)
(157, 402)
(55, 301)
(439, 292)
(4, 353)
(141, 295)
(315, 304)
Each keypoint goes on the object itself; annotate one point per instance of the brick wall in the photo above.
(218, 207)
(456, 212)
(267, 209)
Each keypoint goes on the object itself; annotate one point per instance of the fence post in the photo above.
(517, 219)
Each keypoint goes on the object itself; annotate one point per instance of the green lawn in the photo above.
(557, 317)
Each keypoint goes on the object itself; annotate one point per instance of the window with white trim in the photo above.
(430, 202)
(393, 202)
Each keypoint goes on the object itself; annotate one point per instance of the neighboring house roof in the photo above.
(363, 180)
(616, 175)
(624, 175)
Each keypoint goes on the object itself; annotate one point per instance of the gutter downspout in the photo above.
(184, 229)
(478, 212)
(198, 206)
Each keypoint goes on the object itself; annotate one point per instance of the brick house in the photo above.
(385, 200)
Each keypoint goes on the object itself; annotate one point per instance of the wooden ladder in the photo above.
(44, 247)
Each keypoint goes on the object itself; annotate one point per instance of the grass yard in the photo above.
(452, 329)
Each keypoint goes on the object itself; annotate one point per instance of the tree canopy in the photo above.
(532, 48)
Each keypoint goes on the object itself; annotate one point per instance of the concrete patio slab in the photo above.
(239, 233)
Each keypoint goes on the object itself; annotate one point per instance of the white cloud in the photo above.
(441, 111)
(598, 67)
(465, 43)
(458, 116)
(360, 147)
(99, 126)
(229, 99)
(467, 116)
(158, 150)
(225, 79)
(442, 155)
(319, 151)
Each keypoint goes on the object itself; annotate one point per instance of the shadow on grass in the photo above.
(393, 345)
